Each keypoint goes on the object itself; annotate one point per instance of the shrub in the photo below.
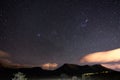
(19, 76)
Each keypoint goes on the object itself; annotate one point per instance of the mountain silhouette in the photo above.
(68, 69)
(73, 69)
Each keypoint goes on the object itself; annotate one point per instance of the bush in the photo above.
(19, 76)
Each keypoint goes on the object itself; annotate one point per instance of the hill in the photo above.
(68, 69)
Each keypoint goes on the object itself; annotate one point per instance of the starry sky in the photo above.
(58, 31)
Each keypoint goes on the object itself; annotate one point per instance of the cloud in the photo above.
(114, 66)
(109, 59)
(10, 64)
(6, 62)
(49, 66)
(3, 54)
(16, 65)
(102, 57)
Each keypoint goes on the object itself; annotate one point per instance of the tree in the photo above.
(64, 76)
(19, 76)
(74, 78)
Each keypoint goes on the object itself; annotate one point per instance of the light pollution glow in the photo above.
(49, 66)
(6, 62)
(109, 59)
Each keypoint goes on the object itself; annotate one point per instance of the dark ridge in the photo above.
(68, 69)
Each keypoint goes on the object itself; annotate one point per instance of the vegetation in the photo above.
(19, 76)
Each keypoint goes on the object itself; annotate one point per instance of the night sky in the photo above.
(57, 31)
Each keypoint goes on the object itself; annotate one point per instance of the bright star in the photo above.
(38, 34)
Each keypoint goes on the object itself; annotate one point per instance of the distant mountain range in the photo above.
(68, 69)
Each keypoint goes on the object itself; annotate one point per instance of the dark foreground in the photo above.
(65, 72)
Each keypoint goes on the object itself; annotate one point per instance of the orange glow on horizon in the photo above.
(49, 66)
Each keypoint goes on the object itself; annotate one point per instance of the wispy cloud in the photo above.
(114, 66)
(4, 54)
(6, 62)
(109, 59)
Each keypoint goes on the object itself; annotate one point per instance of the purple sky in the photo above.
(58, 31)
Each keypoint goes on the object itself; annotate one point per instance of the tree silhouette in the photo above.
(19, 76)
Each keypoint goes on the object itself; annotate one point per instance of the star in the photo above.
(86, 20)
(84, 23)
(38, 34)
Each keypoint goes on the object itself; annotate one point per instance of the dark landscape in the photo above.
(97, 72)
